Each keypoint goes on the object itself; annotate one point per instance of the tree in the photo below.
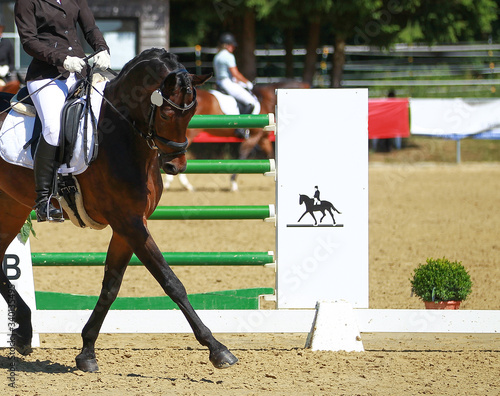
(359, 21)
(381, 22)
(339, 22)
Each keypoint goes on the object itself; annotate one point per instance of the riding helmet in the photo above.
(227, 38)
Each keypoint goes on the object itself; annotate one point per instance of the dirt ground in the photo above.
(416, 211)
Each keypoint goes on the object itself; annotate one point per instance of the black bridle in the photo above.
(157, 100)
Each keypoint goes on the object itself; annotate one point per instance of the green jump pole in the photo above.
(230, 166)
(260, 212)
(229, 121)
(173, 258)
(241, 212)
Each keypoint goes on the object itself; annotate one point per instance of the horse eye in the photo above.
(165, 116)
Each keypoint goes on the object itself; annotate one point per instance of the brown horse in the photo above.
(121, 188)
(11, 87)
(266, 94)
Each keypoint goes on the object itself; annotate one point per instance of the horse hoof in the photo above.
(223, 359)
(86, 364)
(24, 349)
(22, 344)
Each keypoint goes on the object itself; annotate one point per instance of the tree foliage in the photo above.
(334, 22)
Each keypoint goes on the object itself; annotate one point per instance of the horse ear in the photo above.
(170, 82)
(200, 79)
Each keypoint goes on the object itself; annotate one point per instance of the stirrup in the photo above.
(45, 211)
(242, 133)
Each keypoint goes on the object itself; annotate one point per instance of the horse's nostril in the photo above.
(170, 169)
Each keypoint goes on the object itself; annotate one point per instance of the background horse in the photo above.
(11, 87)
(121, 188)
(208, 104)
(323, 206)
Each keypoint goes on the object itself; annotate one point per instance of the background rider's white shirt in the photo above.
(223, 61)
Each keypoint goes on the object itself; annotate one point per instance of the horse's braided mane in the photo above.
(169, 59)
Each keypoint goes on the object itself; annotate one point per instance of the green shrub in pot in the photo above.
(441, 280)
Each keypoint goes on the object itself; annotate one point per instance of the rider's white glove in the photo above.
(102, 60)
(73, 64)
(4, 70)
(249, 85)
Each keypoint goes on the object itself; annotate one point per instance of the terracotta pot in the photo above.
(442, 304)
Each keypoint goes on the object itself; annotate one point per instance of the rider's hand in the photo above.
(73, 64)
(249, 85)
(102, 60)
(4, 70)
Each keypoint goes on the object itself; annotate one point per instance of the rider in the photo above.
(6, 56)
(48, 31)
(230, 79)
(317, 200)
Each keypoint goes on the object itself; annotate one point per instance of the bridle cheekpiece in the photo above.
(157, 100)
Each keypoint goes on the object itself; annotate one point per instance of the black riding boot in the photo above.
(45, 167)
(246, 108)
(243, 133)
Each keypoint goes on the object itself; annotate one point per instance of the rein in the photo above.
(152, 135)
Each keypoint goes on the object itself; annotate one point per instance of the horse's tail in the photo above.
(329, 205)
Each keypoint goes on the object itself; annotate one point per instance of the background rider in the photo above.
(230, 80)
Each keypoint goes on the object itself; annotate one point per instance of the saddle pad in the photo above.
(17, 129)
(228, 104)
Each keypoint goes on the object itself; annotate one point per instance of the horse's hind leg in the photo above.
(117, 259)
(13, 215)
(246, 148)
(322, 217)
(333, 218)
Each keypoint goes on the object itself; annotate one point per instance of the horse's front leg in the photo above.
(21, 314)
(14, 216)
(303, 214)
(117, 259)
(152, 258)
(314, 217)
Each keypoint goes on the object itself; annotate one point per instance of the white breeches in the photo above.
(48, 103)
(238, 92)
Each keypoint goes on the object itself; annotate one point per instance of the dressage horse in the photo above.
(208, 104)
(323, 206)
(121, 188)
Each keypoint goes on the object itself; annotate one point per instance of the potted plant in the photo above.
(441, 284)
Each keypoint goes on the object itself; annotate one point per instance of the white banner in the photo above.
(322, 197)
(455, 118)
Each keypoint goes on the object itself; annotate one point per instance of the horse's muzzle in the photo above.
(173, 166)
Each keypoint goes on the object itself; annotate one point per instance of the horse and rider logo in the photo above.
(315, 204)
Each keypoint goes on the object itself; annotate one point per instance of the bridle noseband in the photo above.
(157, 100)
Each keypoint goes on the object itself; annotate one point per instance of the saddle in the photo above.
(76, 110)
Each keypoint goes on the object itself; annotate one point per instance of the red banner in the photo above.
(387, 118)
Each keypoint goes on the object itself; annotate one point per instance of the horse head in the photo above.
(174, 104)
(159, 96)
